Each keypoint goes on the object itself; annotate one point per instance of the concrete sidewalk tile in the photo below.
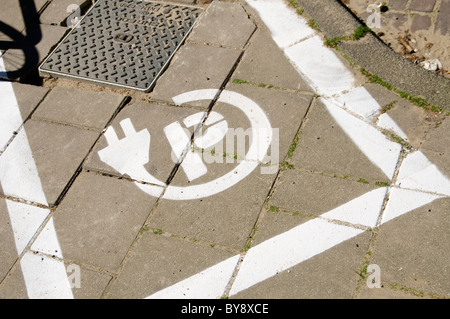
(315, 194)
(79, 107)
(414, 121)
(323, 146)
(331, 274)
(28, 97)
(264, 63)
(12, 13)
(387, 291)
(99, 218)
(144, 116)
(420, 23)
(442, 21)
(210, 27)
(284, 110)
(438, 139)
(28, 60)
(398, 4)
(8, 252)
(159, 261)
(422, 5)
(57, 12)
(413, 250)
(225, 218)
(92, 284)
(195, 67)
(58, 152)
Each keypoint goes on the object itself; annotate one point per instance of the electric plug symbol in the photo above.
(130, 154)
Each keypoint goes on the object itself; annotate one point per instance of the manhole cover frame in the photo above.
(111, 84)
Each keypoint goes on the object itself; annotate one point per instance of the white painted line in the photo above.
(288, 249)
(316, 236)
(386, 122)
(378, 149)
(402, 201)
(24, 219)
(207, 284)
(324, 70)
(283, 23)
(359, 101)
(44, 277)
(364, 210)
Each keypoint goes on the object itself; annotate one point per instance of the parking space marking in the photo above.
(44, 277)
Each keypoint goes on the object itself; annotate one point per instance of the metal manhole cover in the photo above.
(122, 43)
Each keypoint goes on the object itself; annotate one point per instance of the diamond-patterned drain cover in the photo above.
(122, 43)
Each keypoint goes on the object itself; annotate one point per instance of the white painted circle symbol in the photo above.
(262, 137)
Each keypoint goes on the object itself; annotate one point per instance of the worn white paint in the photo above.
(360, 102)
(314, 63)
(128, 155)
(324, 71)
(210, 283)
(378, 149)
(44, 277)
(283, 23)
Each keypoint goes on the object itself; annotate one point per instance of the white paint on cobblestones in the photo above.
(210, 283)
(44, 277)
(315, 63)
(378, 149)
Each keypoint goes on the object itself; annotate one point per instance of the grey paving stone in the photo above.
(331, 274)
(99, 218)
(285, 111)
(398, 4)
(58, 152)
(422, 5)
(210, 27)
(414, 121)
(439, 139)
(159, 261)
(79, 107)
(315, 194)
(195, 67)
(19, 63)
(386, 291)
(412, 250)
(154, 118)
(57, 12)
(92, 284)
(8, 252)
(28, 97)
(324, 147)
(15, 15)
(442, 20)
(420, 22)
(264, 62)
(225, 219)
